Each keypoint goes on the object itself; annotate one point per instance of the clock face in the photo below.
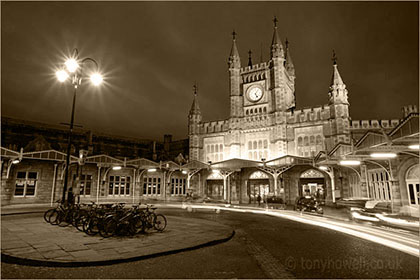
(255, 94)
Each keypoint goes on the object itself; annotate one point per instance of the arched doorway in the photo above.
(312, 182)
(412, 180)
(258, 184)
(215, 186)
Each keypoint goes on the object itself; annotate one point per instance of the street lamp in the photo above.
(74, 68)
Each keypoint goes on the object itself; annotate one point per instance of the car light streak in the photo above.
(365, 218)
(397, 221)
(383, 239)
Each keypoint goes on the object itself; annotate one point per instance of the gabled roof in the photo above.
(195, 164)
(103, 159)
(408, 126)
(9, 153)
(289, 160)
(142, 162)
(236, 163)
(48, 155)
(371, 138)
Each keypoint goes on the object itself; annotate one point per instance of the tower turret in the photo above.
(288, 64)
(234, 80)
(276, 45)
(338, 91)
(194, 121)
(339, 109)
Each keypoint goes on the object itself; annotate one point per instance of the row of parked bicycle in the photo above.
(107, 219)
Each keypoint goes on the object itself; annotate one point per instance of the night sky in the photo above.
(151, 53)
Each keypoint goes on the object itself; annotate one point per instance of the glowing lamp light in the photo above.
(61, 75)
(414, 147)
(323, 168)
(16, 161)
(151, 170)
(349, 162)
(184, 172)
(96, 79)
(383, 155)
(72, 65)
(116, 168)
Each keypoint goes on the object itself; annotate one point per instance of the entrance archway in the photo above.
(312, 182)
(258, 184)
(413, 185)
(215, 186)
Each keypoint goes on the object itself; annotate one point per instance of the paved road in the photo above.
(263, 247)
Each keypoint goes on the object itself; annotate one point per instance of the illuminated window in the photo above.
(151, 185)
(118, 185)
(85, 184)
(178, 186)
(26, 183)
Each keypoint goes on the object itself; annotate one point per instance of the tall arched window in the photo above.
(254, 145)
(249, 145)
(318, 140)
(260, 144)
(312, 140)
(306, 141)
(300, 141)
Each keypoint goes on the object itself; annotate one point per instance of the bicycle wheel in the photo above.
(108, 227)
(90, 227)
(136, 226)
(159, 222)
(48, 214)
(64, 218)
(54, 217)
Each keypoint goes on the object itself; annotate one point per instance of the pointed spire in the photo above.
(276, 45)
(249, 58)
(234, 60)
(288, 63)
(195, 109)
(336, 78)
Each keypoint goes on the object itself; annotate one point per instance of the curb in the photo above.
(21, 213)
(30, 262)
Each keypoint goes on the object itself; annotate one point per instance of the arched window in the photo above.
(312, 140)
(258, 175)
(221, 148)
(255, 155)
(265, 155)
(265, 110)
(260, 144)
(413, 186)
(318, 140)
(254, 145)
(312, 173)
(212, 148)
(216, 157)
(265, 144)
(249, 145)
(300, 141)
(247, 112)
(250, 155)
(260, 110)
(217, 148)
(306, 141)
(252, 111)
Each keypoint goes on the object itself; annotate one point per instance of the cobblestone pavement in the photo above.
(30, 237)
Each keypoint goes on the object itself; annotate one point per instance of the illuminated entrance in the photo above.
(312, 182)
(258, 185)
(215, 186)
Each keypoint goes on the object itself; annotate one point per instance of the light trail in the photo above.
(388, 239)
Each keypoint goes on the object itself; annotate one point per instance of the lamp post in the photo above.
(73, 70)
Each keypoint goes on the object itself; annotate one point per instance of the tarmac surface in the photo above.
(30, 240)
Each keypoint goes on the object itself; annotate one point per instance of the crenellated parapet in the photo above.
(373, 124)
(214, 126)
(256, 72)
(308, 114)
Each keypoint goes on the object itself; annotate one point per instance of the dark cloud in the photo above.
(152, 52)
